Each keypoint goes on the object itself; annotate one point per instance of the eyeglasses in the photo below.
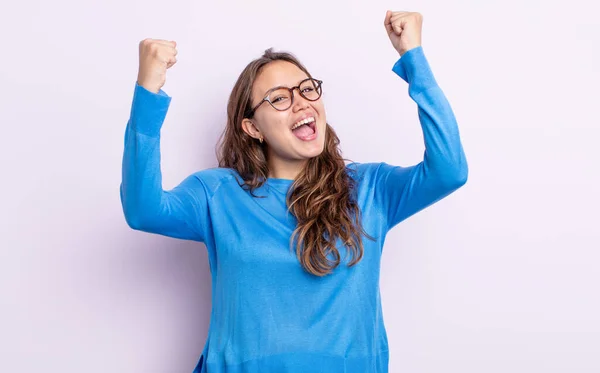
(282, 98)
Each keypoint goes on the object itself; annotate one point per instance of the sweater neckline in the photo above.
(282, 185)
(280, 181)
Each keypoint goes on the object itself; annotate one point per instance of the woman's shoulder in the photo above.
(364, 169)
(371, 173)
(214, 177)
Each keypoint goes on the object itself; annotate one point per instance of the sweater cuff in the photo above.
(148, 110)
(414, 69)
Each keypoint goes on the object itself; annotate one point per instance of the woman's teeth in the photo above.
(305, 121)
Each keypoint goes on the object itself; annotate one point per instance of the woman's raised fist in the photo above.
(156, 56)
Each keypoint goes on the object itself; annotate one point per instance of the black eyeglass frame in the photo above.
(268, 99)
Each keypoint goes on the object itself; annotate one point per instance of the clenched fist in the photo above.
(404, 29)
(156, 56)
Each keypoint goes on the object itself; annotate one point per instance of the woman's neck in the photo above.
(285, 169)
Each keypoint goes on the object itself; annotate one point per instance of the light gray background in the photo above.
(501, 276)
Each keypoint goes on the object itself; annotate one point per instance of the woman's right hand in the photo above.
(156, 56)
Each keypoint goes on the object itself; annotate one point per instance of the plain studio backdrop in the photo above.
(501, 276)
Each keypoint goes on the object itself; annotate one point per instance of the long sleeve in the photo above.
(404, 191)
(180, 212)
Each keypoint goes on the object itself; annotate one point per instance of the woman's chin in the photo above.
(313, 151)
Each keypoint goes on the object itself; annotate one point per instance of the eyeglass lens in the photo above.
(281, 98)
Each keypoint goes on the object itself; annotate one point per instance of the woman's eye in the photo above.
(277, 99)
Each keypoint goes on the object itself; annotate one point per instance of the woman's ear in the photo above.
(250, 128)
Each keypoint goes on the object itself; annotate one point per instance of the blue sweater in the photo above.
(268, 314)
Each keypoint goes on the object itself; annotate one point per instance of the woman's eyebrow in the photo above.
(282, 86)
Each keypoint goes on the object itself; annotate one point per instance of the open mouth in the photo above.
(305, 128)
(306, 131)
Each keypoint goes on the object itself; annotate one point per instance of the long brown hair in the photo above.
(323, 196)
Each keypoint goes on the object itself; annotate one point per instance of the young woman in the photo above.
(294, 235)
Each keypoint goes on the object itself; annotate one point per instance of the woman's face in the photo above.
(284, 146)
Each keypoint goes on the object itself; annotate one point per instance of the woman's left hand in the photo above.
(404, 29)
